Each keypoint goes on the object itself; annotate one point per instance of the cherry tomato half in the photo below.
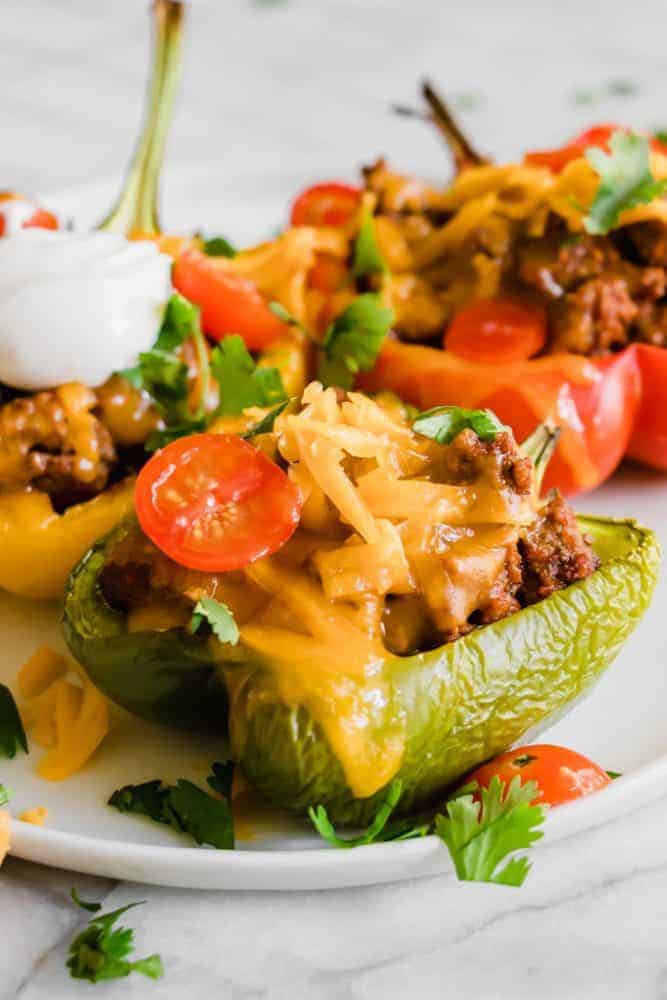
(17, 212)
(229, 302)
(214, 502)
(328, 204)
(561, 774)
(497, 331)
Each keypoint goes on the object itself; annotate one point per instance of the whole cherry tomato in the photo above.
(229, 302)
(561, 775)
(327, 204)
(214, 502)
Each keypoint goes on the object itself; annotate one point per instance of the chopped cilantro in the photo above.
(218, 246)
(185, 807)
(366, 257)
(625, 180)
(90, 907)
(481, 834)
(614, 774)
(243, 383)
(443, 423)
(219, 617)
(12, 733)
(353, 341)
(100, 952)
(5, 795)
(661, 135)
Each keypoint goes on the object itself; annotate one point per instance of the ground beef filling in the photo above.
(529, 564)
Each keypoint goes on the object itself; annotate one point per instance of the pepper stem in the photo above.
(539, 447)
(464, 153)
(136, 207)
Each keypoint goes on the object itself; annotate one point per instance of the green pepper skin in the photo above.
(466, 701)
(164, 676)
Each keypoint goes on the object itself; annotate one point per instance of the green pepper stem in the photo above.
(464, 153)
(539, 447)
(136, 207)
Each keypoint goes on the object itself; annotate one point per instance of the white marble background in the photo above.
(307, 82)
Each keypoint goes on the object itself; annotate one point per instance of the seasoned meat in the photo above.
(499, 462)
(53, 440)
(555, 552)
(649, 240)
(594, 319)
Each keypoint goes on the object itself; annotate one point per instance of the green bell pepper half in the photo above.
(463, 702)
(166, 676)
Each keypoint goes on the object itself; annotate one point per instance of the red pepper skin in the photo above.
(594, 402)
(598, 135)
(648, 443)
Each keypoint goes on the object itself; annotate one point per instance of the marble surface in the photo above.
(304, 84)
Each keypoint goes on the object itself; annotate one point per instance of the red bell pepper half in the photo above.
(595, 402)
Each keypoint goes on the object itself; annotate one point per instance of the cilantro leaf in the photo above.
(320, 820)
(146, 799)
(353, 341)
(101, 951)
(243, 383)
(5, 795)
(265, 425)
(12, 733)
(219, 617)
(283, 314)
(366, 256)
(443, 423)
(91, 907)
(614, 774)
(625, 180)
(661, 135)
(481, 834)
(218, 246)
(208, 820)
(185, 807)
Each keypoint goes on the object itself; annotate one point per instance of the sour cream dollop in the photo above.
(76, 307)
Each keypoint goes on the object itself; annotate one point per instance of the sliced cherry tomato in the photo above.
(561, 774)
(648, 443)
(598, 135)
(497, 331)
(214, 502)
(229, 302)
(17, 212)
(328, 204)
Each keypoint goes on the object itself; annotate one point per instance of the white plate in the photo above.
(621, 725)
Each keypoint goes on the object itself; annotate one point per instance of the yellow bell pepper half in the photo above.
(39, 547)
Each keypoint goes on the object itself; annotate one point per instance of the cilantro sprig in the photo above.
(101, 951)
(481, 828)
(164, 376)
(185, 807)
(444, 423)
(218, 616)
(12, 733)
(625, 180)
(353, 340)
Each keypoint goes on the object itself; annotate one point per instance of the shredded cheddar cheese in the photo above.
(69, 718)
(37, 816)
